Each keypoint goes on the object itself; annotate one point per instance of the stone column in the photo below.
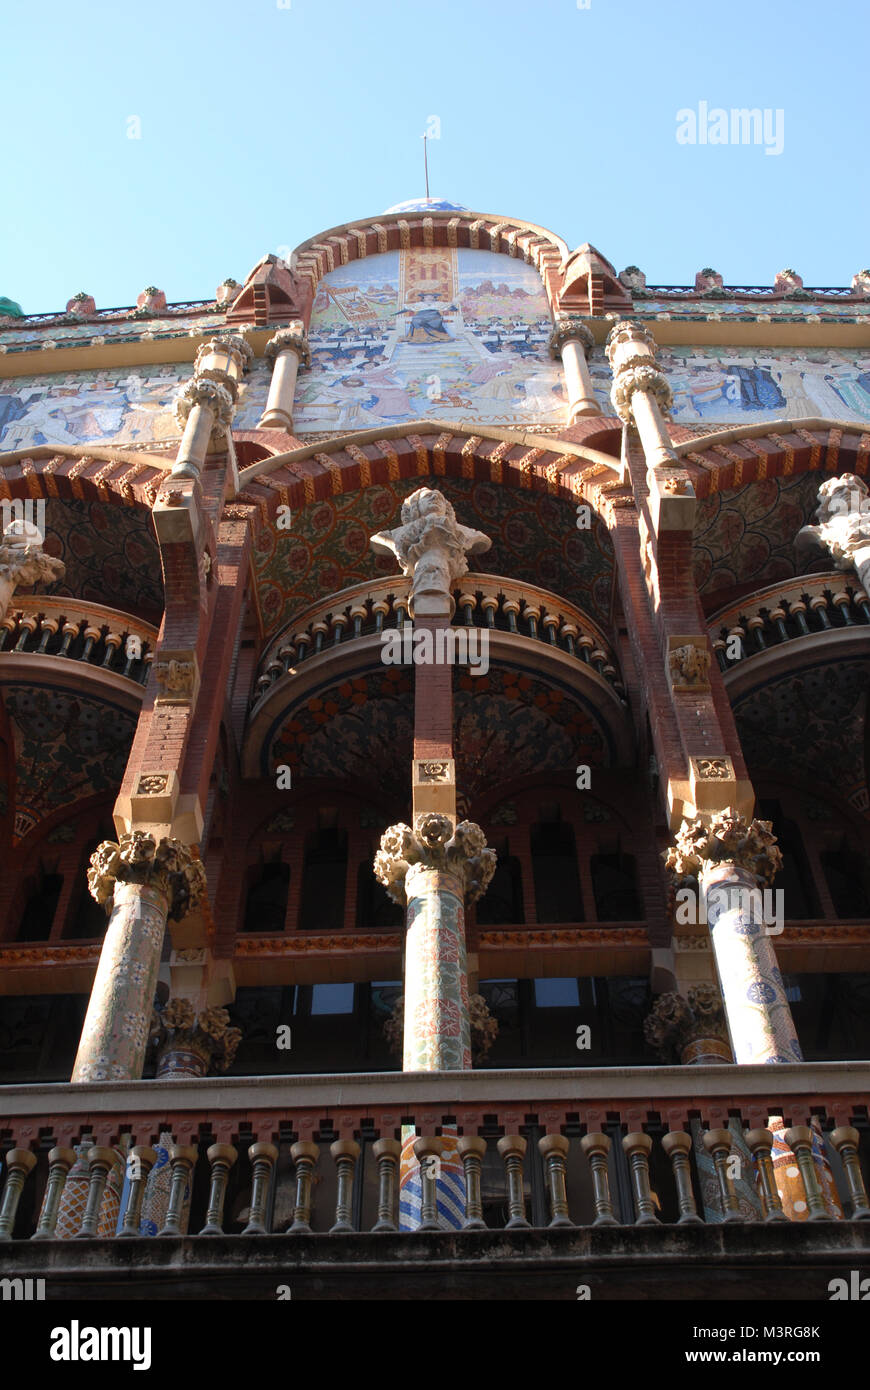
(732, 859)
(23, 561)
(432, 871)
(844, 525)
(641, 394)
(286, 351)
(206, 404)
(571, 340)
(141, 883)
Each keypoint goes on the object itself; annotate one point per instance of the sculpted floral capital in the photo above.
(637, 377)
(628, 331)
(213, 394)
(166, 865)
(726, 838)
(674, 1022)
(293, 338)
(179, 1027)
(434, 844)
(568, 328)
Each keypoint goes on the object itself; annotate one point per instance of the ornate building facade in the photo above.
(433, 778)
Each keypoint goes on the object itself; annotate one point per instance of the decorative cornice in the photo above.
(166, 865)
(434, 844)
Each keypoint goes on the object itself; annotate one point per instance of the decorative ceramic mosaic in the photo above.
(328, 548)
(459, 334)
(123, 404)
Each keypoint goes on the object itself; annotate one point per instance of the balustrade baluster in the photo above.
(305, 1155)
(845, 1141)
(678, 1146)
(598, 658)
(550, 622)
(28, 626)
(221, 1157)
(181, 1161)
(798, 611)
(468, 603)
(532, 613)
(819, 605)
(359, 614)
(380, 608)
(511, 607)
(147, 660)
(113, 642)
(320, 630)
(339, 623)
(862, 602)
(428, 1150)
(285, 656)
(472, 1150)
(19, 1162)
(800, 1140)
(777, 616)
(59, 1163)
(717, 1143)
(92, 635)
(740, 634)
(263, 1157)
(760, 1144)
(140, 1161)
(719, 649)
(302, 641)
(637, 1147)
(489, 606)
(844, 603)
(512, 1148)
(585, 644)
(101, 1160)
(554, 1148)
(569, 632)
(756, 625)
(7, 627)
(345, 1152)
(274, 671)
(387, 1153)
(70, 630)
(596, 1147)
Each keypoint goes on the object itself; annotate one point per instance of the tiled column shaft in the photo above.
(437, 1025)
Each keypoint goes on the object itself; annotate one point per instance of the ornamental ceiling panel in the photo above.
(746, 536)
(534, 540)
(110, 553)
(68, 746)
(812, 723)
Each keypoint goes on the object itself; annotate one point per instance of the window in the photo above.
(502, 902)
(554, 863)
(323, 881)
(266, 904)
(556, 994)
(332, 999)
(38, 915)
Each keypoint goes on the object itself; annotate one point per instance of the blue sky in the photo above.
(264, 122)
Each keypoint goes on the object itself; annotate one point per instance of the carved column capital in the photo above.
(293, 338)
(432, 548)
(434, 844)
(138, 858)
(626, 336)
(223, 343)
(191, 1042)
(725, 838)
(637, 375)
(675, 1024)
(569, 328)
(217, 396)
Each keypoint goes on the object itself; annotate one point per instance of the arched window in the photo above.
(502, 903)
(554, 864)
(795, 879)
(39, 909)
(266, 901)
(86, 919)
(614, 885)
(324, 877)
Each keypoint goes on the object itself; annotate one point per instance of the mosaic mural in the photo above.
(67, 746)
(121, 404)
(110, 553)
(328, 548)
(812, 721)
(104, 330)
(746, 535)
(740, 384)
(433, 332)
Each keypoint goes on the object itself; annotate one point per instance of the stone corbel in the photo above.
(689, 660)
(176, 673)
(434, 786)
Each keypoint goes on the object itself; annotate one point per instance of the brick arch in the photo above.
(738, 457)
(526, 462)
(403, 231)
(82, 474)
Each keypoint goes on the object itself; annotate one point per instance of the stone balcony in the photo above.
(818, 614)
(485, 601)
(59, 630)
(622, 1179)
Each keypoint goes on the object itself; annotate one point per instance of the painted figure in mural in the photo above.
(758, 390)
(849, 388)
(427, 323)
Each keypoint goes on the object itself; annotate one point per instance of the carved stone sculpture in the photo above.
(431, 546)
(139, 858)
(725, 838)
(844, 524)
(434, 844)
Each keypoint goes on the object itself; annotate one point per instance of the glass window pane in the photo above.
(556, 994)
(332, 999)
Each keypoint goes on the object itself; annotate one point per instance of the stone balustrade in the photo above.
(629, 1147)
(804, 607)
(484, 601)
(88, 632)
